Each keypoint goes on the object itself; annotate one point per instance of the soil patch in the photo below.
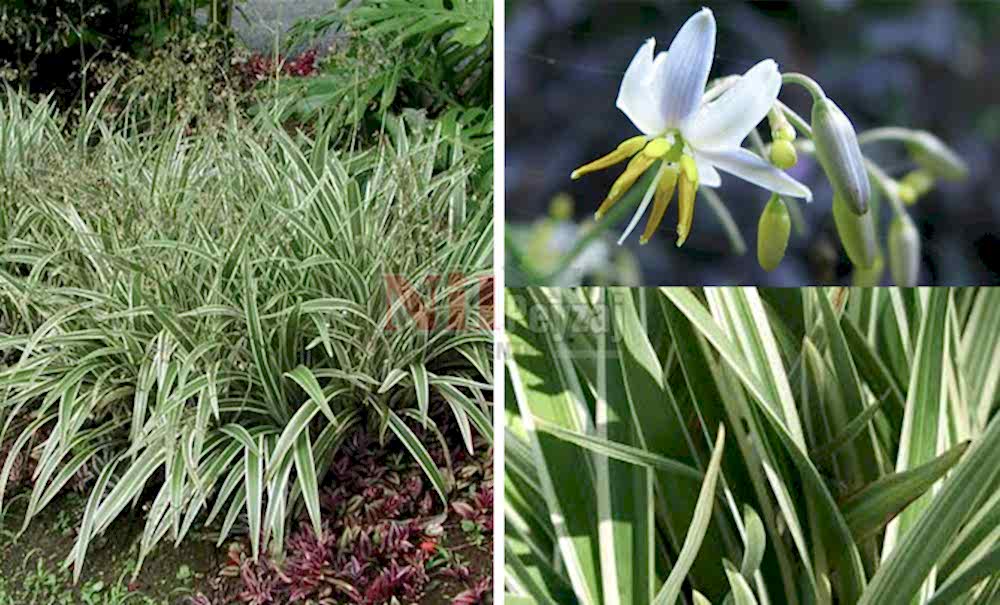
(32, 571)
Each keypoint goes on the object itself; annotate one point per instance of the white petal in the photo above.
(707, 174)
(682, 76)
(750, 167)
(728, 120)
(636, 97)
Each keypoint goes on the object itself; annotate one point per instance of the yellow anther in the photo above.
(625, 150)
(685, 199)
(664, 193)
(690, 169)
(638, 165)
(657, 148)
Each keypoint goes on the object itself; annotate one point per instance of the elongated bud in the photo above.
(936, 157)
(857, 233)
(772, 233)
(904, 251)
(838, 152)
(783, 154)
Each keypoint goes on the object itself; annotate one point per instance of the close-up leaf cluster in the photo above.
(736, 445)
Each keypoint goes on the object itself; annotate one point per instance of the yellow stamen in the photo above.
(633, 171)
(685, 198)
(664, 193)
(625, 150)
(689, 168)
(657, 148)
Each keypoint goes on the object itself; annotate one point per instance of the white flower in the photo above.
(690, 136)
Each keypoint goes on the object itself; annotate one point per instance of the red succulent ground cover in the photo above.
(386, 536)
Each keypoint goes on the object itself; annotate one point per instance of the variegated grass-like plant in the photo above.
(198, 316)
(734, 445)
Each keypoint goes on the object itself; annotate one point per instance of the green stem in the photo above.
(797, 121)
(806, 82)
(887, 185)
(886, 133)
(728, 224)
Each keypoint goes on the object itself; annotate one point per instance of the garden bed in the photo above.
(452, 549)
(228, 278)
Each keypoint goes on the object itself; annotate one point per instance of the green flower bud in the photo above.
(907, 194)
(920, 181)
(785, 132)
(783, 154)
(772, 233)
(936, 157)
(561, 207)
(904, 251)
(857, 233)
(870, 277)
(781, 128)
(838, 152)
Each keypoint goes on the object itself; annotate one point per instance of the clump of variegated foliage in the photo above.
(192, 319)
(730, 445)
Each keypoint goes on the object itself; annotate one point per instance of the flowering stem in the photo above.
(887, 185)
(876, 134)
(797, 121)
(806, 82)
(887, 133)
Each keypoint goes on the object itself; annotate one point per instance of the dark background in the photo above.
(924, 64)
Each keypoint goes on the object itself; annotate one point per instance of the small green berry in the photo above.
(783, 154)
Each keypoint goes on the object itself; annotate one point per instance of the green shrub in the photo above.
(206, 312)
(49, 44)
(398, 53)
